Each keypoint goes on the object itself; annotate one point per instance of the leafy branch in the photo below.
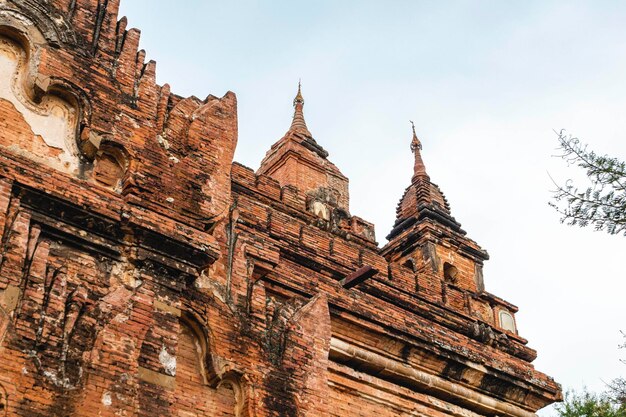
(602, 203)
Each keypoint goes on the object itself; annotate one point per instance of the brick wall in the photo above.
(156, 277)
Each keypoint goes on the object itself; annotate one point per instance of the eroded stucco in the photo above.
(52, 121)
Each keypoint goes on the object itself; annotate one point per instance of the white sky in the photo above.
(485, 82)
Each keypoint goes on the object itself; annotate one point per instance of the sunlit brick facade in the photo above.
(144, 273)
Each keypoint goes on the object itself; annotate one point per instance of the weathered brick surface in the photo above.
(143, 273)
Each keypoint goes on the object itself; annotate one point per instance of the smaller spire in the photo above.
(298, 124)
(419, 169)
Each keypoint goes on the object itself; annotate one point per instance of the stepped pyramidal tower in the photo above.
(144, 273)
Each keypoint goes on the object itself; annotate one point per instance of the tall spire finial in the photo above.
(299, 98)
(419, 170)
(298, 124)
(415, 143)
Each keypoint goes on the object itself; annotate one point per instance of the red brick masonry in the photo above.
(143, 273)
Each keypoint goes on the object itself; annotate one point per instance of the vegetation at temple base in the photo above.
(586, 404)
(617, 387)
(601, 203)
(611, 403)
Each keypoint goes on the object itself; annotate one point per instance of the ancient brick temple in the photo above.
(144, 273)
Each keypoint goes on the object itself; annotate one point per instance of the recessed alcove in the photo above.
(506, 320)
(110, 166)
(43, 131)
(450, 272)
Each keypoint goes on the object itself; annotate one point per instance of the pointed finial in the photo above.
(415, 142)
(419, 170)
(298, 98)
(298, 123)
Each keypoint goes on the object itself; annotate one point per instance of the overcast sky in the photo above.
(486, 83)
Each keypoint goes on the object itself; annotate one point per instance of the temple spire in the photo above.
(298, 124)
(419, 170)
(298, 160)
(422, 200)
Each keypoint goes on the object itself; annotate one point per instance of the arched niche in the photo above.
(450, 272)
(507, 321)
(199, 390)
(47, 115)
(110, 166)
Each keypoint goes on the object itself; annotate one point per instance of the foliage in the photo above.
(617, 391)
(586, 404)
(612, 403)
(617, 387)
(602, 203)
